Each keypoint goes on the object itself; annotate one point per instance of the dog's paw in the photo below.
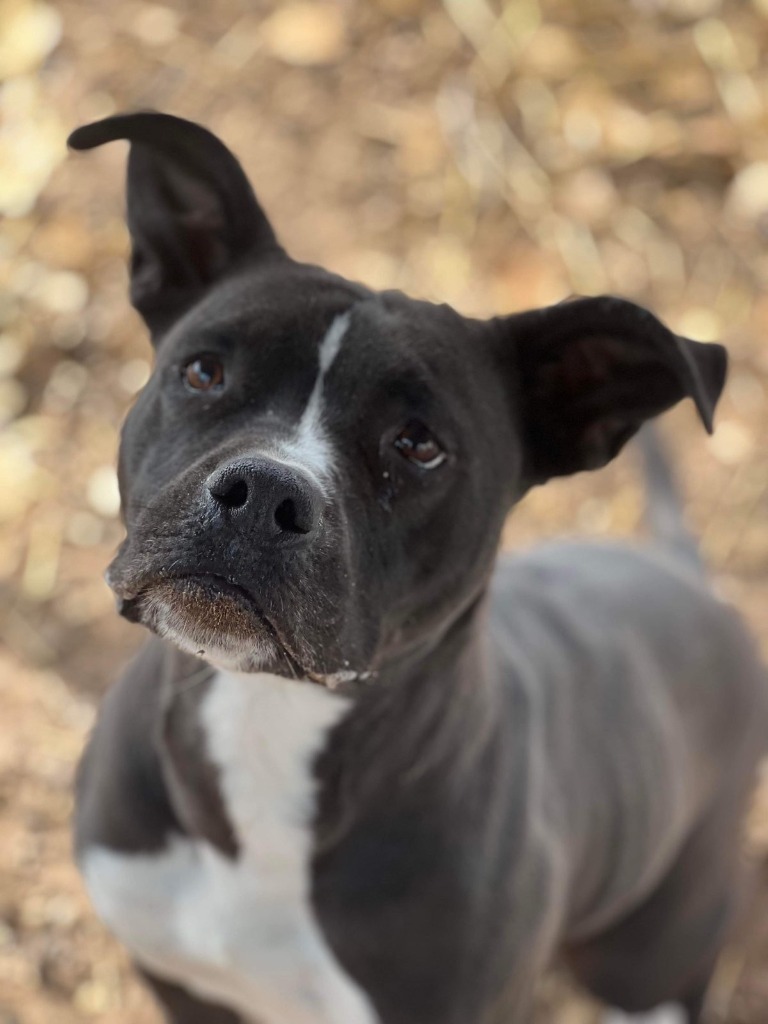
(669, 1013)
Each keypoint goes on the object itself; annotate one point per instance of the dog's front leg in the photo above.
(179, 1007)
(208, 932)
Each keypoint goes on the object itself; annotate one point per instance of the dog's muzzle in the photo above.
(232, 562)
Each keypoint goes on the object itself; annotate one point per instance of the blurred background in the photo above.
(493, 155)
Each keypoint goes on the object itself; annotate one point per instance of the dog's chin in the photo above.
(219, 622)
(213, 620)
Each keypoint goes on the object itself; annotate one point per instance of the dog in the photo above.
(366, 771)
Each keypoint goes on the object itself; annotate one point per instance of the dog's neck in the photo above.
(432, 710)
(462, 635)
(429, 710)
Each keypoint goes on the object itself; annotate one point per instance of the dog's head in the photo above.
(315, 477)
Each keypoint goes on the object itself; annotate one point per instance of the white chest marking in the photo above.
(241, 933)
(309, 449)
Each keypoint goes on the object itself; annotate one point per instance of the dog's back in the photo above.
(651, 707)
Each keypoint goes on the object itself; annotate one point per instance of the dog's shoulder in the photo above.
(608, 621)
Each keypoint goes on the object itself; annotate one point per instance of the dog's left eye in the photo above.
(203, 373)
(418, 444)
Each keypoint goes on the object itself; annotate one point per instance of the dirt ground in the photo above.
(494, 155)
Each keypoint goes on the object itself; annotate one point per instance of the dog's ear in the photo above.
(192, 214)
(586, 373)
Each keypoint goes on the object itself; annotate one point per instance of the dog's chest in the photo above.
(240, 931)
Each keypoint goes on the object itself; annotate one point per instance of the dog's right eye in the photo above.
(418, 445)
(203, 373)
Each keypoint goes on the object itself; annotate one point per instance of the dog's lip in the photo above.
(129, 598)
(129, 601)
(221, 584)
(135, 588)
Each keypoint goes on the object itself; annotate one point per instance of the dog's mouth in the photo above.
(218, 619)
(197, 593)
(209, 616)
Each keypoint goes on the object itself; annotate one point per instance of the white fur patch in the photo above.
(669, 1013)
(241, 933)
(309, 450)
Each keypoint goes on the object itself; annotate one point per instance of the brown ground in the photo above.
(493, 155)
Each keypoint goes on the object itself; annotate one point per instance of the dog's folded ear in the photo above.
(586, 373)
(192, 214)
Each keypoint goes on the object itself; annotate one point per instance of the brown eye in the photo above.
(203, 373)
(417, 444)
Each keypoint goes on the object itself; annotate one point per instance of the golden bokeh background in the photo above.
(496, 155)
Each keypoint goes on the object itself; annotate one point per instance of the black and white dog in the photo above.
(368, 772)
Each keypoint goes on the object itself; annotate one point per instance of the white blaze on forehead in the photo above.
(331, 343)
(309, 450)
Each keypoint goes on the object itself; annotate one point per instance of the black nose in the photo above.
(275, 500)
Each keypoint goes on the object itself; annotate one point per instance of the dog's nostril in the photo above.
(233, 496)
(269, 497)
(289, 518)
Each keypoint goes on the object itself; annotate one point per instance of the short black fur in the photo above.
(543, 752)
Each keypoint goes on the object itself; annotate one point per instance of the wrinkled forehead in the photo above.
(293, 327)
(269, 308)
